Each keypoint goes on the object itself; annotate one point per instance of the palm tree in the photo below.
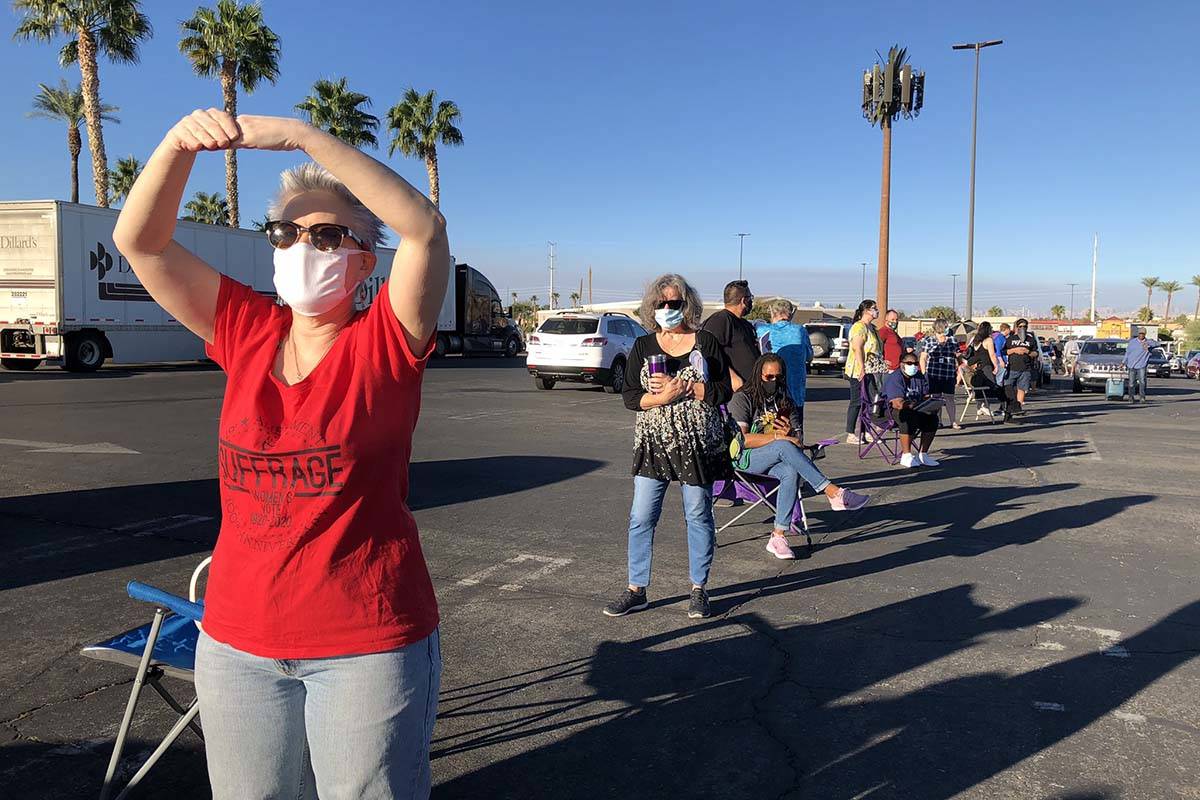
(418, 127)
(93, 28)
(259, 225)
(1196, 283)
(64, 104)
(533, 299)
(995, 311)
(334, 108)
(1149, 283)
(1058, 312)
(574, 299)
(514, 296)
(1170, 287)
(233, 44)
(123, 177)
(211, 209)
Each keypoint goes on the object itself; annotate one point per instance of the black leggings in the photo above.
(852, 411)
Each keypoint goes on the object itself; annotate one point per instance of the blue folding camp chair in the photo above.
(165, 646)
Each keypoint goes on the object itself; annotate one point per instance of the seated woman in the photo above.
(775, 447)
(982, 366)
(905, 389)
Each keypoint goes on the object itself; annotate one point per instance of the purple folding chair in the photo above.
(878, 432)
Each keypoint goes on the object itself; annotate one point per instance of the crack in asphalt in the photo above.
(9, 723)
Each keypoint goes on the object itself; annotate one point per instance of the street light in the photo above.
(977, 46)
(954, 292)
(864, 282)
(889, 90)
(741, 250)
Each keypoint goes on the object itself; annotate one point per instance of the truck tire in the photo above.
(544, 383)
(1076, 386)
(84, 352)
(441, 347)
(20, 364)
(617, 382)
(512, 347)
(821, 346)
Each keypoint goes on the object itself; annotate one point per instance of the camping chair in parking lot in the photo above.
(879, 430)
(166, 646)
(984, 396)
(759, 489)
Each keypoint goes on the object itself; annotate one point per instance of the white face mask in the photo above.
(668, 318)
(910, 370)
(312, 281)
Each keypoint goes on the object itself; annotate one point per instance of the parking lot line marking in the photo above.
(104, 448)
(549, 565)
(176, 521)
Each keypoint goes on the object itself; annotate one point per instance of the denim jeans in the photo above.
(346, 727)
(1137, 378)
(785, 462)
(643, 518)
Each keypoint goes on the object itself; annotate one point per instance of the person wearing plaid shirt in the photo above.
(939, 362)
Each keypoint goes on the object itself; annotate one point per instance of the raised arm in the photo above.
(177, 279)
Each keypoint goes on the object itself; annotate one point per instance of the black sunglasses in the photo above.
(675, 305)
(325, 236)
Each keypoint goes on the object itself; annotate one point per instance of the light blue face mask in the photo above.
(910, 370)
(668, 318)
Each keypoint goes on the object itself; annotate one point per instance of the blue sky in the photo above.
(642, 136)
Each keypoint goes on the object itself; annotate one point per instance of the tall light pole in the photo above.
(1095, 256)
(741, 250)
(977, 46)
(1072, 317)
(553, 245)
(954, 292)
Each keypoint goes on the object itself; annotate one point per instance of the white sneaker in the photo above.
(928, 460)
(908, 462)
(852, 438)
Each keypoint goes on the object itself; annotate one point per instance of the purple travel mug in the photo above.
(656, 365)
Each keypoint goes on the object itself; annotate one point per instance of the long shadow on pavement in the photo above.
(62, 534)
(707, 712)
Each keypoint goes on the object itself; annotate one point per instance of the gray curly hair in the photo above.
(783, 307)
(693, 307)
(312, 177)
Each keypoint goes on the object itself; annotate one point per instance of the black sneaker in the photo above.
(698, 605)
(627, 602)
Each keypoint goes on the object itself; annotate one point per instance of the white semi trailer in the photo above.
(68, 296)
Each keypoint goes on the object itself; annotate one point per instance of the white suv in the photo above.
(583, 348)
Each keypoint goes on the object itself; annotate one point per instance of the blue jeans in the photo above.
(1137, 378)
(353, 726)
(785, 462)
(643, 518)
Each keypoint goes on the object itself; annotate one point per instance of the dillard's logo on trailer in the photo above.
(100, 261)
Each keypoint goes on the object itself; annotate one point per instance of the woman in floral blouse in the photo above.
(678, 435)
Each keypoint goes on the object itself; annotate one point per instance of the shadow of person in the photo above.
(692, 712)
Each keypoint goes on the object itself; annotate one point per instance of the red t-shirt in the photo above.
(893, 347)
(318, 553)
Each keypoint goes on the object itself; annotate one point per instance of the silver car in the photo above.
(1099, 360)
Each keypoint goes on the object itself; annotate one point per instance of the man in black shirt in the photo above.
(734, 333)
(1022, 352)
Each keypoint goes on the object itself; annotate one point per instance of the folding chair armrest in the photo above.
(150, 594)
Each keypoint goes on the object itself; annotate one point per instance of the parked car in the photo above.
(1046, 362)
(582, 348)
(1179, 361)
(830, 343)
(1159, 365)
(1192, 368)
(1099, 360)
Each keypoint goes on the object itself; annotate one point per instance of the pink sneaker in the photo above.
(778, 547)
(846, 500)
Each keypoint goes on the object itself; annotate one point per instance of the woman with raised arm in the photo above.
(319, 663)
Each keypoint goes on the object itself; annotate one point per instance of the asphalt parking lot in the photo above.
(1021, 622)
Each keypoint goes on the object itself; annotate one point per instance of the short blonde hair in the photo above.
(312, 177)
(782, 306)
(693, 307)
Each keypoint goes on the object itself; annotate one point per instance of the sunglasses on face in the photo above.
(675, 305)
(325, 236)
